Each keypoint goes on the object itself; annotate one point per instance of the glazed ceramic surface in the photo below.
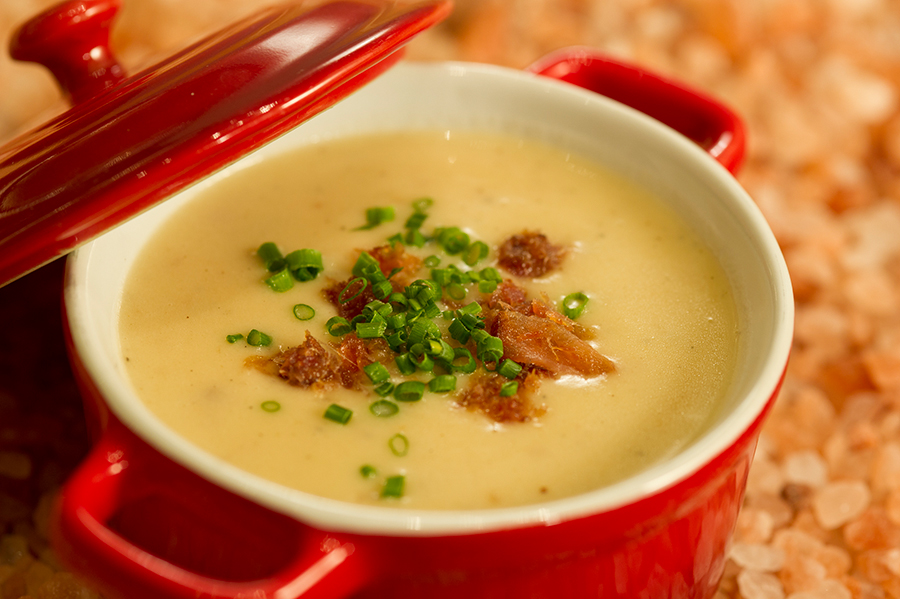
(660, 533)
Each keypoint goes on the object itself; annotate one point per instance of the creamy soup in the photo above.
(659, 313)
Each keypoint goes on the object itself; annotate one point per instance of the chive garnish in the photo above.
(383, 408)
(443, 383)
(338, 326)
(305, 265)
(376, 372)
(233, 338)
(509, 369)
(368, 471)
(477, 251)
(270, 406)
(271, 256)
(509, 388)
(258, 338)
(376, 216)
(393, 486)
(409, 391)
(281, 281)
(338, 414)
(573, 305)
(399, 445)
(304, 312)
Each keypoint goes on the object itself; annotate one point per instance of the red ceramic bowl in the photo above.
(150, 516)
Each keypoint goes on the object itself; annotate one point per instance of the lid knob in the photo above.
(72, 40)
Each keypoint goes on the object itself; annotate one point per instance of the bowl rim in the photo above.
(330, 514)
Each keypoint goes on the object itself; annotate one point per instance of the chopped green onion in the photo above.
(368, 471)
(442, 384)
(456, 291)
(361, 282)
(281, 281)
(304, 312)
(382, 289)
(487, 286)
(271, 256)
(270, 406)
(415, 220)
(384, 389)
(393, 486)
(376, 216)
(338, 326)
(399, 445)
(574, 304)
(422, 204)
(453, 239)
(405, 364)
(415, 238)
(305, 264)
(468, 366)
(477, 251)
(431, 261)
(376, 372)
(409, 391)
(509, 388)
(372, 329)
(233, 338)
(258, 338)
(338, 414)
(384, 408)
(490, 349)
(509, 369)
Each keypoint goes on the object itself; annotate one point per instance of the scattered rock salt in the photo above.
(759, 585)
(839, 502)
(759, 557)
(829, 589)
(885, 474)
(806, 468)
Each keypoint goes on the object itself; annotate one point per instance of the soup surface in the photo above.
(660, 318)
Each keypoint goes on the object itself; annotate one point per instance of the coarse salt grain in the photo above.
(759, 557)
(839, 502)
(806, 468)
(829, 589)
(759, 585)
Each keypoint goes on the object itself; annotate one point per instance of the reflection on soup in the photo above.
(431, 320)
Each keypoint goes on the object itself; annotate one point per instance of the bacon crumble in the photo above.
(530, 254)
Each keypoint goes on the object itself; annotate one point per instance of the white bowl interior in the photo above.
(463, 96)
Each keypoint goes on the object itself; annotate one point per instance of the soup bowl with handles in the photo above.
(150, 515)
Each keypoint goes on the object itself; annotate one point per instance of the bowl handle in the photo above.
(710, 124)
(143, 527)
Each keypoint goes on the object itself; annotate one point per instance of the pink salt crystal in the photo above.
(759, 585)
(829, 589)
(806, 523)
(857, 94)
(839, 502)
(805, 467)
(777, 508)
(879, 565)
(765, 477)
(871, 291)
(874, 240)
(835, 560)
(755, 525)
(885, 475)
(892, 506)
(872, 530)
(862, 589)
(821, 323)
(759, 557)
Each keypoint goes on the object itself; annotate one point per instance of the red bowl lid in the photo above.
(130, 142)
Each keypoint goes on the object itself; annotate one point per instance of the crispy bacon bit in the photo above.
(483, 395)
(311, 365)
(389, 257)
(530, 254)
(352, 308)
(534, 333)
(530, 339)
(323, 367)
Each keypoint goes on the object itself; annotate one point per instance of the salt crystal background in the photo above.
(818, 82)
